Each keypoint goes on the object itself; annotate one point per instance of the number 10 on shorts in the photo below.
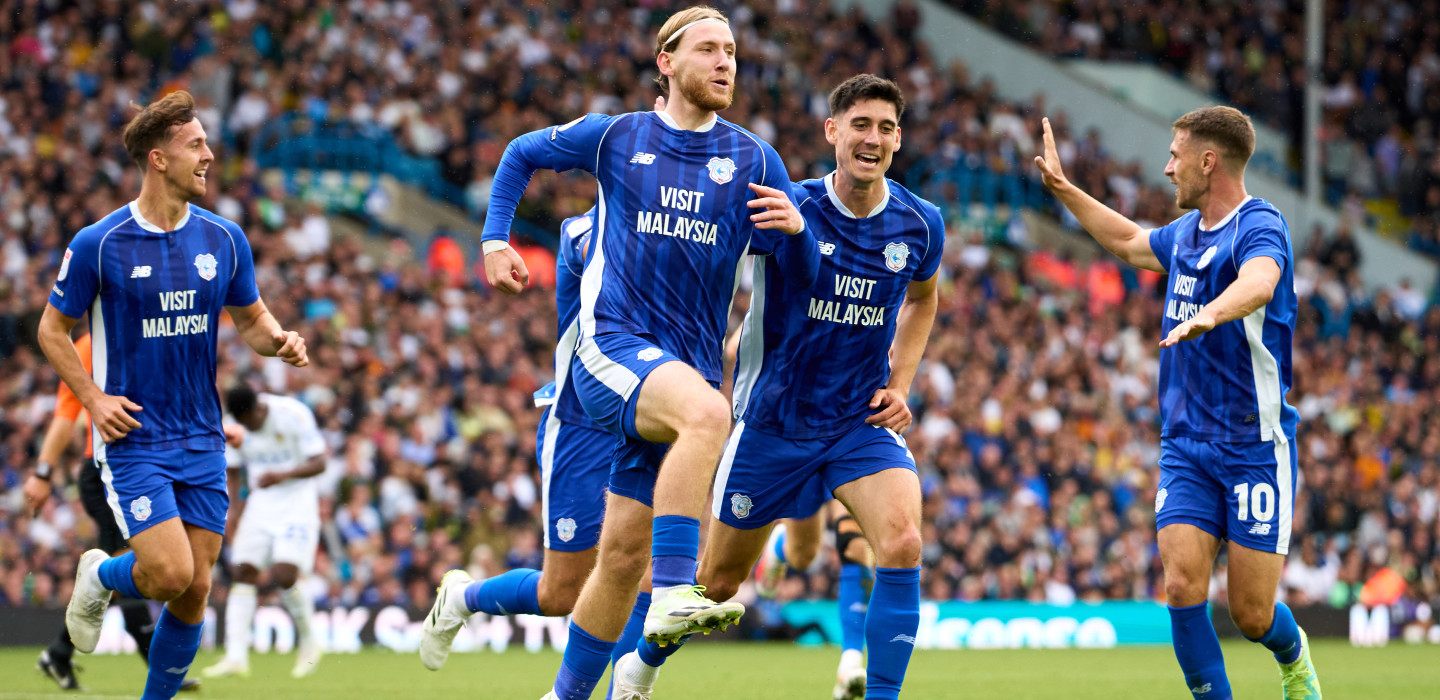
(1260, 496)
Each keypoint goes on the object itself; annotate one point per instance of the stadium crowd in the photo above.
(1035, 409)
(1380, 75)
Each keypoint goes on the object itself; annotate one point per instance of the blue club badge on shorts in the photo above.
(1205, 259)
(740, 505)
(140, 508)
(895, 256)
(1160, 499)
(649, 354)
(565, 528)
(205, 263)
(722, 170)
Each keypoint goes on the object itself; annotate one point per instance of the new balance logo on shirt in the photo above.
(826, 248)
(140, 271)
(643, 158)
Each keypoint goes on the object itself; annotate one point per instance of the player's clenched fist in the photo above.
(779, 214)
(111, 415)
(290, 347)
(505, 270)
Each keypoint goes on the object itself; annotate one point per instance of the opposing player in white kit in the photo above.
(280, 521)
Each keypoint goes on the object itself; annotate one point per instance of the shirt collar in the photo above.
(1221, 223)
(135, 212)
(835, 198)
(670, 122)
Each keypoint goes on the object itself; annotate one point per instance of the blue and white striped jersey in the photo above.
(671, 224)
(569, 265)
(154, 299)
(810, 360)
(1228, 385)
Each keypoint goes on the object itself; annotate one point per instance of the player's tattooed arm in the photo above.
(265, 336)
(1252, 289)
(111, 414)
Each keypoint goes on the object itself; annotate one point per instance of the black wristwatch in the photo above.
(42, 470)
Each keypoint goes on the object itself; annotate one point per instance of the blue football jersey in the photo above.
(671, 223)
(154, 299)
(1228, 385)
(569, 265)
(810, 360)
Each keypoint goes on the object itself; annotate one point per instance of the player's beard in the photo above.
(1188, 193)
(695, 88)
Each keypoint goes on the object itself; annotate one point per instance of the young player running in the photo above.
(671, 228)
(821, 380)
(154, 276)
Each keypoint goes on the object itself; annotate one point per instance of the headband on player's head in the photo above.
(681, 30)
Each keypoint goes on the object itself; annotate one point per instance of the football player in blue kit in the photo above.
(821, 381)
(154, 276)
(1227, 455)
(683, 195)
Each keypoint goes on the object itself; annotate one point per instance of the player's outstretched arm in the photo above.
(912, 331)
(1252, 289)
(312, 467)
(265, 336)
(111, 414)
(1118, 234)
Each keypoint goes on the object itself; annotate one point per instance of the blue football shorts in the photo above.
(1240, 491)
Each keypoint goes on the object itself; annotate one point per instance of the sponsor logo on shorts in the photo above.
(565, 528)
(740, 505)
(140, 508)
(1262, 529)
(1160, 499)
(650, 354)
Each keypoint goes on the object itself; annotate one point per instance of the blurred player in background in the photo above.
(280, 450)
(671, 228)
(154, 276)
(1227, 461)
(822, 376)
(55, 661)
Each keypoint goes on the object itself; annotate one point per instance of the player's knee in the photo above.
(1182, 590)
(625, 557)
(1253, 621)
(801, 552)
(285, 578)
(557, 600)
(900, 549)
(708, 414)
(169, 580)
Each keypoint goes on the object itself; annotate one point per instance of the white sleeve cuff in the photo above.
(492, 246)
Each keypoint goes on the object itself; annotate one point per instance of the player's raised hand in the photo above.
(290, 347)
(1049, 162)
(893, 412)
(1198, 325)
(780, 213)
(505, 271)
(37, 492)
(111, 416)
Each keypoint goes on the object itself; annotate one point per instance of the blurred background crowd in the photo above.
(1035, 410)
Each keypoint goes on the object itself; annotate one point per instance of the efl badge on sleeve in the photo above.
(64, 266)
(722, 170)
(205, 263)
(895, 256)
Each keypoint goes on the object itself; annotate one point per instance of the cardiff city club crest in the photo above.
(722, 170)
(895, 256)
(140, 508)
(1205, 259)
(740, 505)
(565, 527)
(205, 263)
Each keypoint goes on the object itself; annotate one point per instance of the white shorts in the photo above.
(262, 540)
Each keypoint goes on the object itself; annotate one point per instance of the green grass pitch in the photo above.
(765, 671)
